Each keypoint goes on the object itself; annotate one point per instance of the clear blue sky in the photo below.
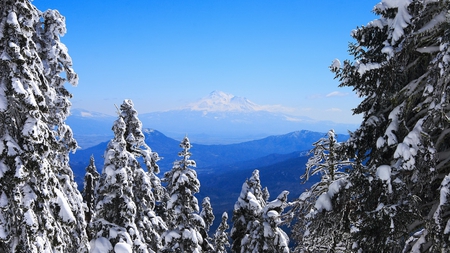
(166, 54)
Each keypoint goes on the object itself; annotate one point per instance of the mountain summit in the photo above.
(219, 101)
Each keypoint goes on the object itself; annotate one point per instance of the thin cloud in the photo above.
(334, 110)
(336, 94)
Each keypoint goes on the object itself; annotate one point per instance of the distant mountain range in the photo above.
(222, 169)
(217, 118)
(208, 157)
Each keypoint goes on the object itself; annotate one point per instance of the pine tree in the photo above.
(90, 183)
(113, 225)
(221, 241)
(184, 223)
(317, 209)
(41, 209)
(256, 221)
(125, 202)
(208, 218)
(247, 212)
(275, 239)
(145, 184)
(207, 213)
(399, 182)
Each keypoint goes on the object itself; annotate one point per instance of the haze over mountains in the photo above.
(219, 118)
(222, 169)
(231, 137)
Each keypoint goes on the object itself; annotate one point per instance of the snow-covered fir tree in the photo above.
(41, 209)
(275, 239)
(113, 224)
(221, 241)
(124, 215)
(400, 178)
(317, 209)
(247, 212)
(90, 182)
(183, 221)
(207, 213)
(256, 221)
(145, 184)
(208, 219)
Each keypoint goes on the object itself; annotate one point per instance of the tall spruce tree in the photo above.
(124, 216)
(399, 181)
(317, 209)
(113, 224)
(274, 238)
(221, 241)
(247, 212)
(41, 209)
(183, 221)
(145, 183)
(90, 183)
(256, 222)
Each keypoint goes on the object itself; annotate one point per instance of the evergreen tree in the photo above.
(90, 182)
(207, 213)
(221, 241)
(183, 221)
(399, 183)
(247, 212)
(113, 225)
(317, 209)
(125, 201)
(275, 239)
(208, 219)
(145, 184)
(256, 222)
(41, 209)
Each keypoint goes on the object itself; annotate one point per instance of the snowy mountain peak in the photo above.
(221, 101)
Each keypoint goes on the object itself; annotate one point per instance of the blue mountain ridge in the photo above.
(222, 169)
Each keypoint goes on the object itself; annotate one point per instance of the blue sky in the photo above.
(166, 54)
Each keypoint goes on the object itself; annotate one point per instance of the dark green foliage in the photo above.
(401, 71)
(41, 209)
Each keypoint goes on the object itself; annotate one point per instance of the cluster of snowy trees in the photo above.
(386, 189)
(129, 209)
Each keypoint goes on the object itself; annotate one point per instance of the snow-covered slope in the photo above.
(219, 101)
(224, 118)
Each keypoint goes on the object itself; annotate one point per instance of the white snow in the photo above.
(122, 247)
(12, 19)
(363, 68)
(393, 126)
(29, 197)
(65, 212)
(433, 22)
(336, 65)
(219, 101)
(253, 202)
(3, 101)
(401, 19)
(335, 187)
(169, 236)
(30, 218)
(407, 150)
(100, 245)
(428, 50)
(323, 202)
(384, 172)
(17, 85)
(3, 200)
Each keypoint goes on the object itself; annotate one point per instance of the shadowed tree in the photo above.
(41, 209)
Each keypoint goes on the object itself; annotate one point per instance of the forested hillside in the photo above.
(385, 189)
